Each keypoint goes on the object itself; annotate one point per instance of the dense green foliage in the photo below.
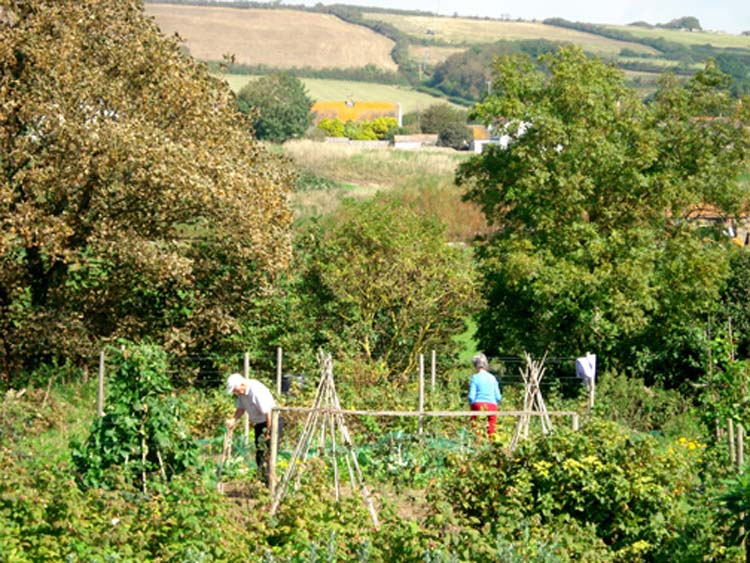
(141, 434)
(384, 283)
(378, 129)
(367, 73)
(438, 117)
(133, 202)
(602, 494)
(593, 250)
(466, 74)
(733, 318)
(456, 136)
(615, 488)
(591, 199)
(278, 105)
(690, 23)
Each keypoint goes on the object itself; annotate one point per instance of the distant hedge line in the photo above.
(368, 73)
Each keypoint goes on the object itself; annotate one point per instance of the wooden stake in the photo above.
(730, 431)
(274, 451)
(421, 392)
(740, 447)
(100, 390)
(246, 418)
(433, 372)
(279, 356)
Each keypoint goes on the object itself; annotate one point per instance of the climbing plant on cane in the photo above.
(140, 437)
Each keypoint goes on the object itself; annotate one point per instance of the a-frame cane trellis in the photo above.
(324, 423)
(533, 401)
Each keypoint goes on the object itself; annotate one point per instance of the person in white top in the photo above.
(256, 400)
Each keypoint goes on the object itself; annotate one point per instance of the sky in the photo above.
(731, 16)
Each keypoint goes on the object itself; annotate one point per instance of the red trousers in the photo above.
(490, 419)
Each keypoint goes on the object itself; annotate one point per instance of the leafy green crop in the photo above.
(142, 434)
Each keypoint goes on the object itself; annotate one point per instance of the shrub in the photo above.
(456, 136)
(605, 477)
(142, 434)
(279, 105)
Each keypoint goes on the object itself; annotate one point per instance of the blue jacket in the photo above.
(483, 388)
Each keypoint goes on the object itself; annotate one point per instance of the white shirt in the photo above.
(257, 401)
(586, 368)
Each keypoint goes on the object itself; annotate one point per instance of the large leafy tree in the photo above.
(593, 249)
(279, 107)
(385, 285)
(132, 200)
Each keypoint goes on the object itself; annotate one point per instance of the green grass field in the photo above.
(332, 90)
(688, 37)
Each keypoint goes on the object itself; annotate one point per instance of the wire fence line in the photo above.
(206, 371)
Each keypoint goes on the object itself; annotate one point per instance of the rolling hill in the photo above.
(331, 47)
(276, 38)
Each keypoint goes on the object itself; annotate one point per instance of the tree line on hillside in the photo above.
(687, 23)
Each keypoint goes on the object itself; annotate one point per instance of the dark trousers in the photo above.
(263, 446)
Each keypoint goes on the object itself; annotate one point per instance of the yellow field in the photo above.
(278, 38)
(689, 37)
(340, 90)
(473, 31)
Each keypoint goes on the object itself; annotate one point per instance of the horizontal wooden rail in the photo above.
(572, 414)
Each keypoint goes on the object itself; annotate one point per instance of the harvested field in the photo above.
(466, 31)
(716, 39)
(278, 38)
(432, 55)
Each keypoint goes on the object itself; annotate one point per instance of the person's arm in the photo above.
(472, 390)
(231, 422)
(498, 394)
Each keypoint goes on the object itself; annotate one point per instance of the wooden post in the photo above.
(574, 420)
(279, 355)
(730, 431)
(740, 447)
(592, 393)
(246, 418)
(100, 391)
(421, 392)
(274, 451)
(432, 372)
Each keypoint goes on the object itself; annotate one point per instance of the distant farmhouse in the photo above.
(412, 142)
(351, 110)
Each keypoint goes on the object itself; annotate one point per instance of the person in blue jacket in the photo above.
(484, 391)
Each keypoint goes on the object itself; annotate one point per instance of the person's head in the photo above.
(236, 384)
(480, 361)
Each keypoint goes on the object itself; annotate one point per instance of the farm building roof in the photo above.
(351, 110)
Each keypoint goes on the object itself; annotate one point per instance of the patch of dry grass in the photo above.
(424, 178)
(472, 31)
(716, 39)
(277, 38)
(432, 55)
